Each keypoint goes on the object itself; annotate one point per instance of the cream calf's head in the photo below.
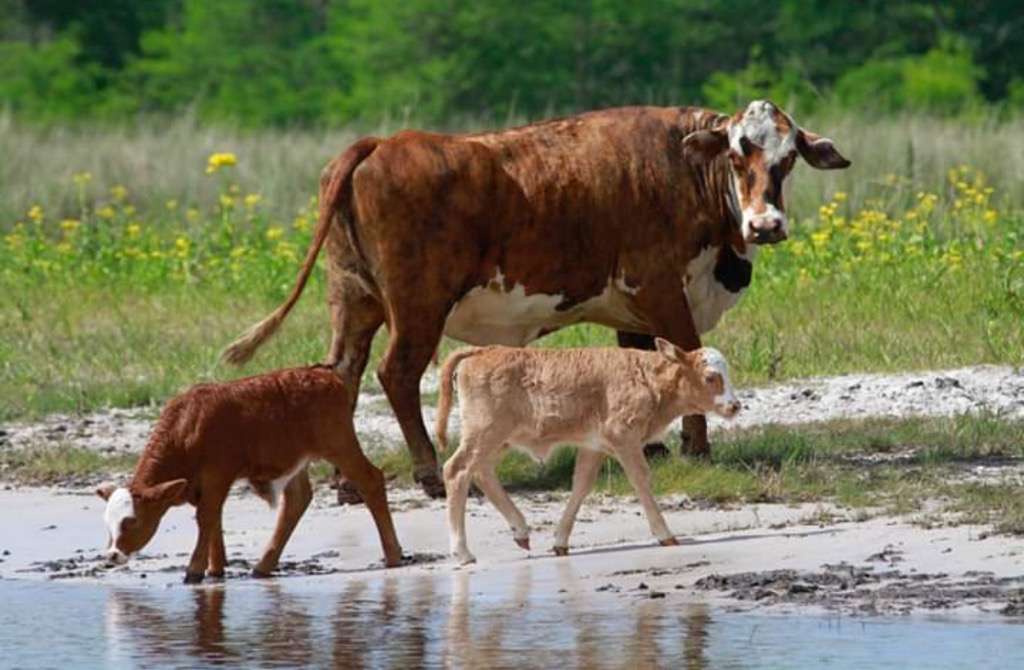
(132, 516)
(705, 384)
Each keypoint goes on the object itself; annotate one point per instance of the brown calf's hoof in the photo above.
(560, 551)
(523, 542)
(432, 485)
(193, 577)
(347, 493)
(656, 450)
(261, 574)
(215, 574)
(669, 542)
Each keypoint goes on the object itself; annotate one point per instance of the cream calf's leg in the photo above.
(457, 473)
(487, 479)
(639, 475)
(588, 465)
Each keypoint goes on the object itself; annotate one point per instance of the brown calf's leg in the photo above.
(584, 475)
(297, 496)
(218, 556)
(645, 342)
(410, 349)
(349, 458)
(208, 518)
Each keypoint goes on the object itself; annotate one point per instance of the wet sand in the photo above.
(763, 556)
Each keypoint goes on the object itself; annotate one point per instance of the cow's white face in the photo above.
(132, 516)
(762, 144)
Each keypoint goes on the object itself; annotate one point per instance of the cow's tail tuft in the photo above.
(444, 399)
(332, 193)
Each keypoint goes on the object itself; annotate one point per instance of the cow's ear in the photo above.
(170, 492)
(819, 151)
(105, 489)
(703, 146)
(668, 350)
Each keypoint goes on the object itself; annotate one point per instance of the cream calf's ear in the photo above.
(668, 350)
(105, 489)
(170, 492)
(819, 151)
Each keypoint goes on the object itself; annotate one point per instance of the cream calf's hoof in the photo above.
(463, 557)
(523, 542)
(669, 542)
(560, 551)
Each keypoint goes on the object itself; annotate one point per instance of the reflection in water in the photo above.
(396, 622)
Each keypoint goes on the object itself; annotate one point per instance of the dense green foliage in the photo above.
(288, 62)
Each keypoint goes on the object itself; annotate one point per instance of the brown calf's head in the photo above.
(705, 382)
(762, 144)
(132, 515)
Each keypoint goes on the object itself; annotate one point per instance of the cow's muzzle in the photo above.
(766, 231)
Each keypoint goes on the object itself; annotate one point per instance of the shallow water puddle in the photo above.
(515, 618)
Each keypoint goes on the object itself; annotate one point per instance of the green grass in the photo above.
(55, 465)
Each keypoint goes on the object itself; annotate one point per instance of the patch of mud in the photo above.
(865, 590)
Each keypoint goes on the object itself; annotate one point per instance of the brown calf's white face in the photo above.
(762, 144)
(132, 518)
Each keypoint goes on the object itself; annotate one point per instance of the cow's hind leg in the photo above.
(356, 316)
(413, 340)
(487, 479)
(296, 498)
(588, 465)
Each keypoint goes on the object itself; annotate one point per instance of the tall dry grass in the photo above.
(160, 160)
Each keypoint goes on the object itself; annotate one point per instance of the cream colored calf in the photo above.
(606, 401)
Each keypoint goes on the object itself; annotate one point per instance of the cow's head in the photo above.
(762, 143)
(132, 516)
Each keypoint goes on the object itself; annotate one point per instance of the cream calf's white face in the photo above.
(726, 402)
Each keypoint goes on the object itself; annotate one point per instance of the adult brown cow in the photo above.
(615, 217)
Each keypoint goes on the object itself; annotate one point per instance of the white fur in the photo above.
(758, 125)
(770, 213)
(708, 299)
(492, 315)
(278, 485)
(119, 508)
(714, 360)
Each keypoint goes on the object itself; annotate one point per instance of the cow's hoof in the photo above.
(523, 542)
(656, 450)
(215, 574)
(669, 542)
(432, 485)
(560, 551)
(393, 562)
(347, 493)
(256, 573)
(465, 559)
(193, 577)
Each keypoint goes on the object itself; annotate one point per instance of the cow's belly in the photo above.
(711, 293)
(491, 315)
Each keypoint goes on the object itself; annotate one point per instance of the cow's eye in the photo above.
(710, 378)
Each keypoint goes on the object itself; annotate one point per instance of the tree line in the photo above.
(308, 62)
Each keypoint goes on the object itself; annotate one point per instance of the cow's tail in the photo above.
(444, 399)
(332, 194)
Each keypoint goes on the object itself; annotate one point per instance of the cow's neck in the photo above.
(718, 192)
(161, 463)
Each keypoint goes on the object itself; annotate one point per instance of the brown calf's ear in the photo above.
(105, 489)
(819, 151)
(702, 146)
(171, 492)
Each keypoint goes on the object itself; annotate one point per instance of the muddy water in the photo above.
(455, 619)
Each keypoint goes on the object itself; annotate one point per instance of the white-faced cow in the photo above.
(643, 219)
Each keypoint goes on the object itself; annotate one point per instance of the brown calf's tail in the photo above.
(444, 399)
(331, 196)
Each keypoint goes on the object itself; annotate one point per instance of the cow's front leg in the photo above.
(667, 309)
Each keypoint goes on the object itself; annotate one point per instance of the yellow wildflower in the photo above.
(105, 212)
(133, 230)
(70, 225)
(181, 247)
(81, 178)
(252, 200)
(840, 196)
(226, 201)
(35, 213)
(274, 233)
(171, 205)
(118, 192)
(192, 215)
(219, 160)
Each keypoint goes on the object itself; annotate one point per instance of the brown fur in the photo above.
(608, 401)
(560, 207)
(260, 429)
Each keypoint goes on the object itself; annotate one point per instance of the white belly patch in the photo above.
(491, 315)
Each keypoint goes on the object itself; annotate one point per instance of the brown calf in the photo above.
(264, 429)
(607, 401)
